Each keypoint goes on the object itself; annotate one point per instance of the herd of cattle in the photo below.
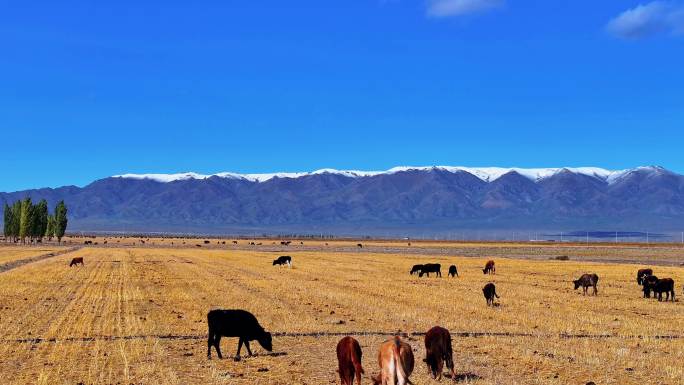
(489, 290)
(395, 357)
(651, 283)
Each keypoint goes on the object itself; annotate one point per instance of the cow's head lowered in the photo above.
(266, 341)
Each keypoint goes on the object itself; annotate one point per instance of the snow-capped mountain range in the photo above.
(487, 174)
(404, 200)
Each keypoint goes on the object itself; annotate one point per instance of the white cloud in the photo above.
(445, 8)
(649, 19)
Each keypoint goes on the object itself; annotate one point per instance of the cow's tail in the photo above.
(496, 295)
(356, 361)
(396, 349)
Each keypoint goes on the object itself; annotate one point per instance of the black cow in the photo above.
(360, 246)
(647, 282)
(489, 291)
(452, 271)
(431, 268)
(416, 269)
(283, 260)
(643, 273)
(660, 286)
(587, 280)
(235, 323)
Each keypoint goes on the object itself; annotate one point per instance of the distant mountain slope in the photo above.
(405, 199)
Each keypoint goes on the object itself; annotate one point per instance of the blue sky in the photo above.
(89, 90)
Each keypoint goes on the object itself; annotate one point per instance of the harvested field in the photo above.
(665, 254)
(14, 253)
(138, 315)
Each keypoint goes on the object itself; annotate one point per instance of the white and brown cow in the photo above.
(396, 363)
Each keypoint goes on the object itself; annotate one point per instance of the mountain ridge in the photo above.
(405, 200)
(487, 174)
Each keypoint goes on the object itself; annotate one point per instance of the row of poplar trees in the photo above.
(26, 221)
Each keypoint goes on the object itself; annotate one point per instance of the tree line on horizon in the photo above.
(24, 220)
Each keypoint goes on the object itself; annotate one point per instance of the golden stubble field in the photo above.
(138, 315)
(13, 253)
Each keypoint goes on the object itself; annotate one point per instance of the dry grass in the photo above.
(660, 254)
(150, 294)
(10, 253)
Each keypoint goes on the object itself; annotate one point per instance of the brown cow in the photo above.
(438, 351)
(587, 280)
(349, 361)
(489, 268)
(76, 261)
(396, 363)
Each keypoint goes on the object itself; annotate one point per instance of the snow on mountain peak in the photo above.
(487, 174)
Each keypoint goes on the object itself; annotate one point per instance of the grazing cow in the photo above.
(431, 268)
(489, 291)
(349, 361)
(235, 242)
(647, 282)
(76, 261)
(396, 363)
(360, 246)
(416, 269)
(489, 268)
(235, 323)
(283, 260)
(452, 271)
(660, 286)
(438, 351)
(642, 273)
(206, 242)
(587, 280)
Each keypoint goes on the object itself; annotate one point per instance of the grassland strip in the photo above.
(21, 262)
